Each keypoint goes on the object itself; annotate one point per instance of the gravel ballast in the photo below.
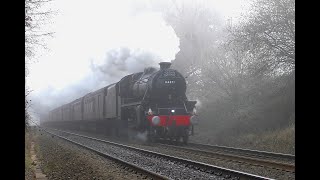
(258, 170)
(63, 160)
(163, 166)
(240, 166)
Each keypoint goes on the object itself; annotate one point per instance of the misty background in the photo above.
(238, 56)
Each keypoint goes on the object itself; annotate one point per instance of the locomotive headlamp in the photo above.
(150, 111)
(156, 120)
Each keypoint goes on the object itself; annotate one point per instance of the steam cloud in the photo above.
(121, 62)
(198, 104)
(141, 137)
(159, 44)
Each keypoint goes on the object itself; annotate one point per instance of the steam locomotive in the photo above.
(152, 102)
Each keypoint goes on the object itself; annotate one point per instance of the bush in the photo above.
(268, 109)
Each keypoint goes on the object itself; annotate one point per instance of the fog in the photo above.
(96, 43)
(239, 56)
(114, 41)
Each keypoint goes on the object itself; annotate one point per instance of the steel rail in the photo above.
(247, 151)
(216, 170)
(238, 158)
(137, 168)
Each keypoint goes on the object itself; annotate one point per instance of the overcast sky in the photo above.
(86, 30)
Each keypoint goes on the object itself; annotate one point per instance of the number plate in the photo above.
(169, 82)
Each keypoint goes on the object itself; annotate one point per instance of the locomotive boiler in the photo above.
(153, 101)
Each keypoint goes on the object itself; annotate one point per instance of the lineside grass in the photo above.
(281, 141)
(278, 140)
(29, 171)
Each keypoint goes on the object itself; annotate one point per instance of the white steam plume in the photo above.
(198, 104)
(143, 40)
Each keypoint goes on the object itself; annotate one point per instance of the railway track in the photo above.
(126, 165)
(247, 152)
(170, 167)
(277, 161)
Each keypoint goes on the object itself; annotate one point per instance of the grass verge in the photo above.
(29, 171)
(281, 140)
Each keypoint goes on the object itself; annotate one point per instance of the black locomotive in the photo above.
(153, 101)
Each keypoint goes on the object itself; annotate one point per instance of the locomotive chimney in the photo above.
(165, 65)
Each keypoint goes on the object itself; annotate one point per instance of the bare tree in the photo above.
(268, 34)
(35, 18)
(27, 106)
(262, 44)
(253, 70)
(244, 74)
(199, 30)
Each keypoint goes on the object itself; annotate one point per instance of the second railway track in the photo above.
(248, 152)
(278, 161)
